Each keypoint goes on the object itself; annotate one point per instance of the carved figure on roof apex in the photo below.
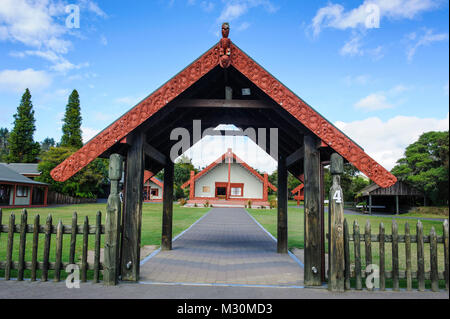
(225, 47)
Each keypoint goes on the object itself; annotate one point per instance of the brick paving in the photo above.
(225, 247)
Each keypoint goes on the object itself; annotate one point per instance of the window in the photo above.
(205, 189)
(155, 192)
(236, 191)
(22, 191)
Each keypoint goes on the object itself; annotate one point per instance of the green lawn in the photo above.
(268, 219)
(183, 217)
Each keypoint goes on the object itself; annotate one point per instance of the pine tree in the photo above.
(22, 147)
(72, 123)
(4, 135)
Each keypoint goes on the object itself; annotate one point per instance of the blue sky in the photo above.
(382, 83)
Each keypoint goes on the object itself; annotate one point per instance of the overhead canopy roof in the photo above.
(198, 92)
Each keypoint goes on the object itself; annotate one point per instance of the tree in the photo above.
(4, 135)
(425, 166)
(72, 123)
(22, 147)
(47, 143)
(86, 183)
(352, 182)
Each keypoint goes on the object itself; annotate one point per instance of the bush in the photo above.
(249, 204)
(182, 201)
(206, 204)
(273, 203)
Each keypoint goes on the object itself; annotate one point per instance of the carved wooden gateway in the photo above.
(223, 86)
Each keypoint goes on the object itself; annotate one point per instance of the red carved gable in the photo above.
(260, 77)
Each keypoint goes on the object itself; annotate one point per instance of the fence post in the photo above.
(336, 278)
(408, 257)
(382, 258)
(446, 252)
(34, 253)
(420, 258)
(434, 261)
(347, 256)
(22, 245)
(9, 249)
(357, 246)
(112, 223)
(395, 264)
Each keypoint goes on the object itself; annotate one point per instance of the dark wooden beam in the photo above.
(218, 103)
(131, 228)
(154, 154)
(282, 222)
(166, 238)
(312, 224)
(295, 157)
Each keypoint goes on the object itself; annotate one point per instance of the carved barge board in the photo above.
(261, 78)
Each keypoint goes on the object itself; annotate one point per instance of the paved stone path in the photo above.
(225, 247)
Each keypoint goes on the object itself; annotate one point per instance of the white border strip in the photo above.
(215, 285)
(271, 236)
(143, 261)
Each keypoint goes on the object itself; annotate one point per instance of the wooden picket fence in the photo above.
(47, 231)
(421, 275)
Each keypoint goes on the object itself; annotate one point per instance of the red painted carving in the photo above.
(255, 73)
(141, 112)
(225, 47)
(310, 118)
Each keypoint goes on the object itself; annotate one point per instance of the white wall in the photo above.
(253, 187)
(153, 185)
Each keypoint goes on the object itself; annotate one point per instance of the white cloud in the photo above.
(426, 39)
(386, 141)
(373, 102)
(40, 24)
(361, 79)
(335, 15)
(446, 89)
(88, 133)
(19, 80)
(352, 47)
(235, 9)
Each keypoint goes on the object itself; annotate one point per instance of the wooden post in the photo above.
(395, 261)
(357, 247)
(282, 218)
(420, 257)
(370, 204)
(336, 258)
(368, 250)
(112, 223)
(47, 241)
(434, 276)
(312, 225)
(397, 205)
(382, 258)
(408, 257)
(445, 231)
(22, 245)
(131, 236)
(347, 272)
(166, 236)
(34, 252)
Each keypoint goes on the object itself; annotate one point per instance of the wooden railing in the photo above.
(421, 275)
(47, 231)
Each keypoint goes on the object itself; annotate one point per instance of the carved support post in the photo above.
(112, 223)
(312, 224)
(336, 256)
(132, 219)
(282, 237)
(166, 239)
(192, 186)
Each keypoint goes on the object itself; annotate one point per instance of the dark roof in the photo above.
(24, 168)
(9, 175)
(399, 188)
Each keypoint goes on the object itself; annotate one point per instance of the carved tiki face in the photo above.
(225, 30)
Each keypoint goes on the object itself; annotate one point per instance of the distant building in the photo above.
(18, 190)
(228, 181)
(153, 188)
(397, 198)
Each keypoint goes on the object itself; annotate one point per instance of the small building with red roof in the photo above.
(153, 188)
(229, 181)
